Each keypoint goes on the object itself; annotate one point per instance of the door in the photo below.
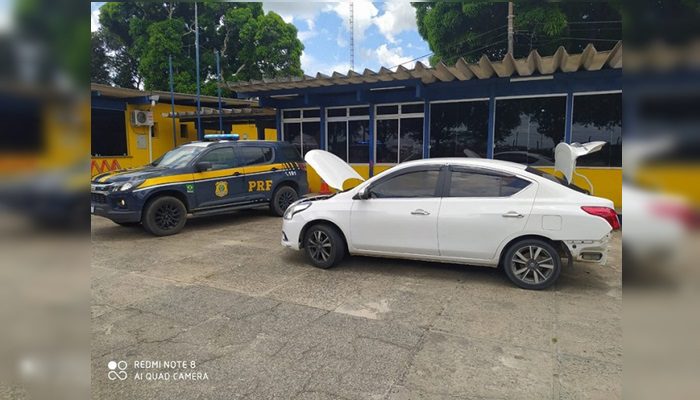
(400, 216)
(260, 173)
(480, 209)
(223, 184)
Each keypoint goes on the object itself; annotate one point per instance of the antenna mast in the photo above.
(352, 35)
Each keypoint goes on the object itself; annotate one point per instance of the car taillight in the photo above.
(606, 213)
(302, 166)
(679, 212)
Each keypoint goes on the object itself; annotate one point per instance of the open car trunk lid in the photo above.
(565, 156)
(334, 171)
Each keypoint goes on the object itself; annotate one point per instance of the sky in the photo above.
(385, 33)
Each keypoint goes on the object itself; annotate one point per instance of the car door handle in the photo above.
(419, 212)
(512, 214)
(236, 173)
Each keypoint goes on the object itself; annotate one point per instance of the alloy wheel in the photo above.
(285, 199)
(532, 264)
(320, 246)
(167, 216)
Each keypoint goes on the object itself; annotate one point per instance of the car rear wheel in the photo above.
(532, 264)
(324, 246)
(164, 216)
(283, 197)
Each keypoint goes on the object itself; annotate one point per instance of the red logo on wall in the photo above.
(100, 166)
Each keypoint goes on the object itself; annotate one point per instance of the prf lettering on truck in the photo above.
(260, 186)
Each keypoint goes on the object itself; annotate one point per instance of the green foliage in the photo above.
(472, 28)
(139, 37)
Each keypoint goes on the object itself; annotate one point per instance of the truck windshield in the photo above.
(179, 157)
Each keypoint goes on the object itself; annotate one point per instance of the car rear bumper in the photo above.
(591, 251)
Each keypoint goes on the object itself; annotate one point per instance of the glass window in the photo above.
(291, 114)
(411, 108)
(291, 154)
(221, 158)
(387, 141)
(292, 134)
(312, 113)
(184, 131)
(253, 155)
(338, 139)
(411, 140)
(410, 184)
(312, 136)
(108, 130)
(384, 110)
(530, 128)
(359, 111)
(459, 129)
(475, 184)
(599, 117)
(358, 149)
(337, 112)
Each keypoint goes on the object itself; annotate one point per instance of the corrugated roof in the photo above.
(208, 112)
(534, 64)
(125, 93)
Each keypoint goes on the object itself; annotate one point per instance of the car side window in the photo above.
(221, 158)
(478, 184)
(410, 184)
(254, 155)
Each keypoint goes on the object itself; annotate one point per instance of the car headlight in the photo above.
(296, 208)
(130, 185)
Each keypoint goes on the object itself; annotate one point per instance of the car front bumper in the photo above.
(109, 207)
(291, 232)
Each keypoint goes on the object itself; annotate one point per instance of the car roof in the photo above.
(467, 162)
(235, 142)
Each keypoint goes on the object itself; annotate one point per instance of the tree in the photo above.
(477, 27)
(99, 61)
(140, 36)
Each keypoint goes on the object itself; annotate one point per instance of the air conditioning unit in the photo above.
(141, 118)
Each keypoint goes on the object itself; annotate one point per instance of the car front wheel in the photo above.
(164, 216)
(532, 264)
(324, 246)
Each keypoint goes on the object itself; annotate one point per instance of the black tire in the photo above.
(324, 246)
(165, 215)
(532, 264)
(127, 224)
(282, 198)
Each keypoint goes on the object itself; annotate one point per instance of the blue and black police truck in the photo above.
(218, 175)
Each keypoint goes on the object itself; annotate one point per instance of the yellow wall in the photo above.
(607, 182)
(162, 140)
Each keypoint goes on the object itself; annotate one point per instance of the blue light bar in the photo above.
(222, 136)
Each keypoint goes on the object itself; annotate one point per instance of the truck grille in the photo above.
(98, 198)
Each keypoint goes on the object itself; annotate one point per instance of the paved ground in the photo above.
(262, 324)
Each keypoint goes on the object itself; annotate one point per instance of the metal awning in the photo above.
(164, 96)
(532, 65)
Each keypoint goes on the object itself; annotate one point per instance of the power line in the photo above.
(415, 59)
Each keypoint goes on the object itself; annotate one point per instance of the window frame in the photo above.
(347, 118)
(482, 171)
(397, 117)
(439, 185)
(300, 120)
(489, 136)
(571, 123)
(257, 146)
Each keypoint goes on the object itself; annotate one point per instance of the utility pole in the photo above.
(200, 136)
(352, 35)
(510, 28)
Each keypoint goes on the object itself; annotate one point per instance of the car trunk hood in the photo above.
(334, 171)
(565, 156)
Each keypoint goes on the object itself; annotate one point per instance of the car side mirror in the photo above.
(363, 194)
(203, 166)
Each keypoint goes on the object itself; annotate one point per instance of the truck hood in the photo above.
(334, 171)
(565, 156)
(128, 175)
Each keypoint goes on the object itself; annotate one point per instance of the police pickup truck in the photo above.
(201, 178)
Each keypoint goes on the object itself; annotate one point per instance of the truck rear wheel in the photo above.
(165, 215)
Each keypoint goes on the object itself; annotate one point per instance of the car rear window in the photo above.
(556, 179)
(291, 154)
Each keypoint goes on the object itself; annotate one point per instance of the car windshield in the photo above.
(178, 157)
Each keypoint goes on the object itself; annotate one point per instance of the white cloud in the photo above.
(311, 66)
(95, 20)
(392, 57)
(289, 11)
(306, 35)
(364, 13)
(6, 20)
(398, 16)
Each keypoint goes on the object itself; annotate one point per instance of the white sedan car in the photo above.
(456, 210)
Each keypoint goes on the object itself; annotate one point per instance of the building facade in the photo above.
(515, 110)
